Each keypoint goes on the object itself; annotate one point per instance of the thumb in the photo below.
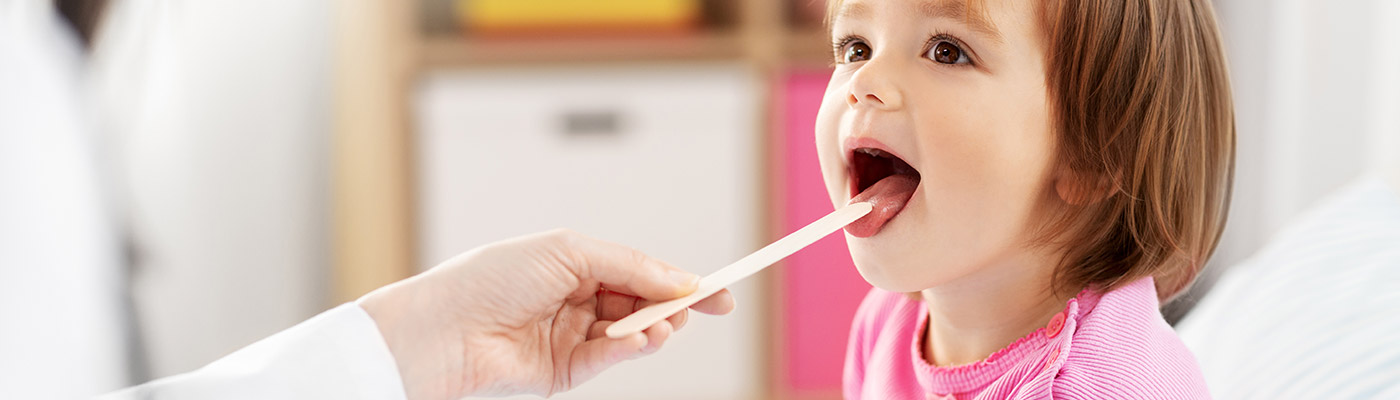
(625, 269)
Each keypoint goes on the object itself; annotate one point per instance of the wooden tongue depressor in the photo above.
(741, 269)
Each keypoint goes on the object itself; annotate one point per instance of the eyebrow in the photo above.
(950, 9)
(957, 10)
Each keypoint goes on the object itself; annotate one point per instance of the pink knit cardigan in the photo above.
(1111, 345)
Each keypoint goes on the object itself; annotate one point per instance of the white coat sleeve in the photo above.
(338, 354)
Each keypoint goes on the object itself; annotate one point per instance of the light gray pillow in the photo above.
(1315, 314)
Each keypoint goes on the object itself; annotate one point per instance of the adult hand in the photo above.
(526, 315)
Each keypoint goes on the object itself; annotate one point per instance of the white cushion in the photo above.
(1315, 313)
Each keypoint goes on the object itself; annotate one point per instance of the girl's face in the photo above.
(962, 101)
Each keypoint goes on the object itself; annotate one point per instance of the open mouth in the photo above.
(885, 181)
(870, 165)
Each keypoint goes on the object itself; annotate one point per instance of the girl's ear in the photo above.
(1083, 189)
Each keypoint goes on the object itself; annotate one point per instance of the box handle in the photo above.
(592, 123)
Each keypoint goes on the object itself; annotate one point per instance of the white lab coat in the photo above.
(62, 334)
(62, 331)
(336, 355)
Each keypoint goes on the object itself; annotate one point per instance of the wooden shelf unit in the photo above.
(383, 47)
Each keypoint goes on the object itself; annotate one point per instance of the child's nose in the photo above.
(873, 86)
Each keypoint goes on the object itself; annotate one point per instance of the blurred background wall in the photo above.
(1315, 86)
(271, 159)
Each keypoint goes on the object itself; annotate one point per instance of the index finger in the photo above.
(624, 269)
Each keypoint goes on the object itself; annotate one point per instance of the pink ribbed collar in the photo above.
(975, 376)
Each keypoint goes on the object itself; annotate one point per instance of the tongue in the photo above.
(889, 196)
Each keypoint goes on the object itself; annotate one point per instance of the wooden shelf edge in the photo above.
(441, 51)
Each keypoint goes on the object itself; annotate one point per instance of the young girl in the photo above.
(1045, 175)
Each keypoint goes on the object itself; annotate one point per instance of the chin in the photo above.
(885, 269)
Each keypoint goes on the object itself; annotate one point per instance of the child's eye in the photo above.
(852, 50)
(947, 52)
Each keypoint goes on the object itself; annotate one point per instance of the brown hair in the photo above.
(83, 16)
(1141, 103)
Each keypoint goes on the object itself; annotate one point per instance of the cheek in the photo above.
(828, 143)
(992, 158)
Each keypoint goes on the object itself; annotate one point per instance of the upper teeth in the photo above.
(870, 151)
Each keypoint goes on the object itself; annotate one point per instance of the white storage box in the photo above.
(659, 157)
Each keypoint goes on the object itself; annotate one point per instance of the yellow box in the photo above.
(525, 16)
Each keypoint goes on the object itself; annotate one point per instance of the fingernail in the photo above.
(683, 278)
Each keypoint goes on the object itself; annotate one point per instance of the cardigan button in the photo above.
(1057, 323)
